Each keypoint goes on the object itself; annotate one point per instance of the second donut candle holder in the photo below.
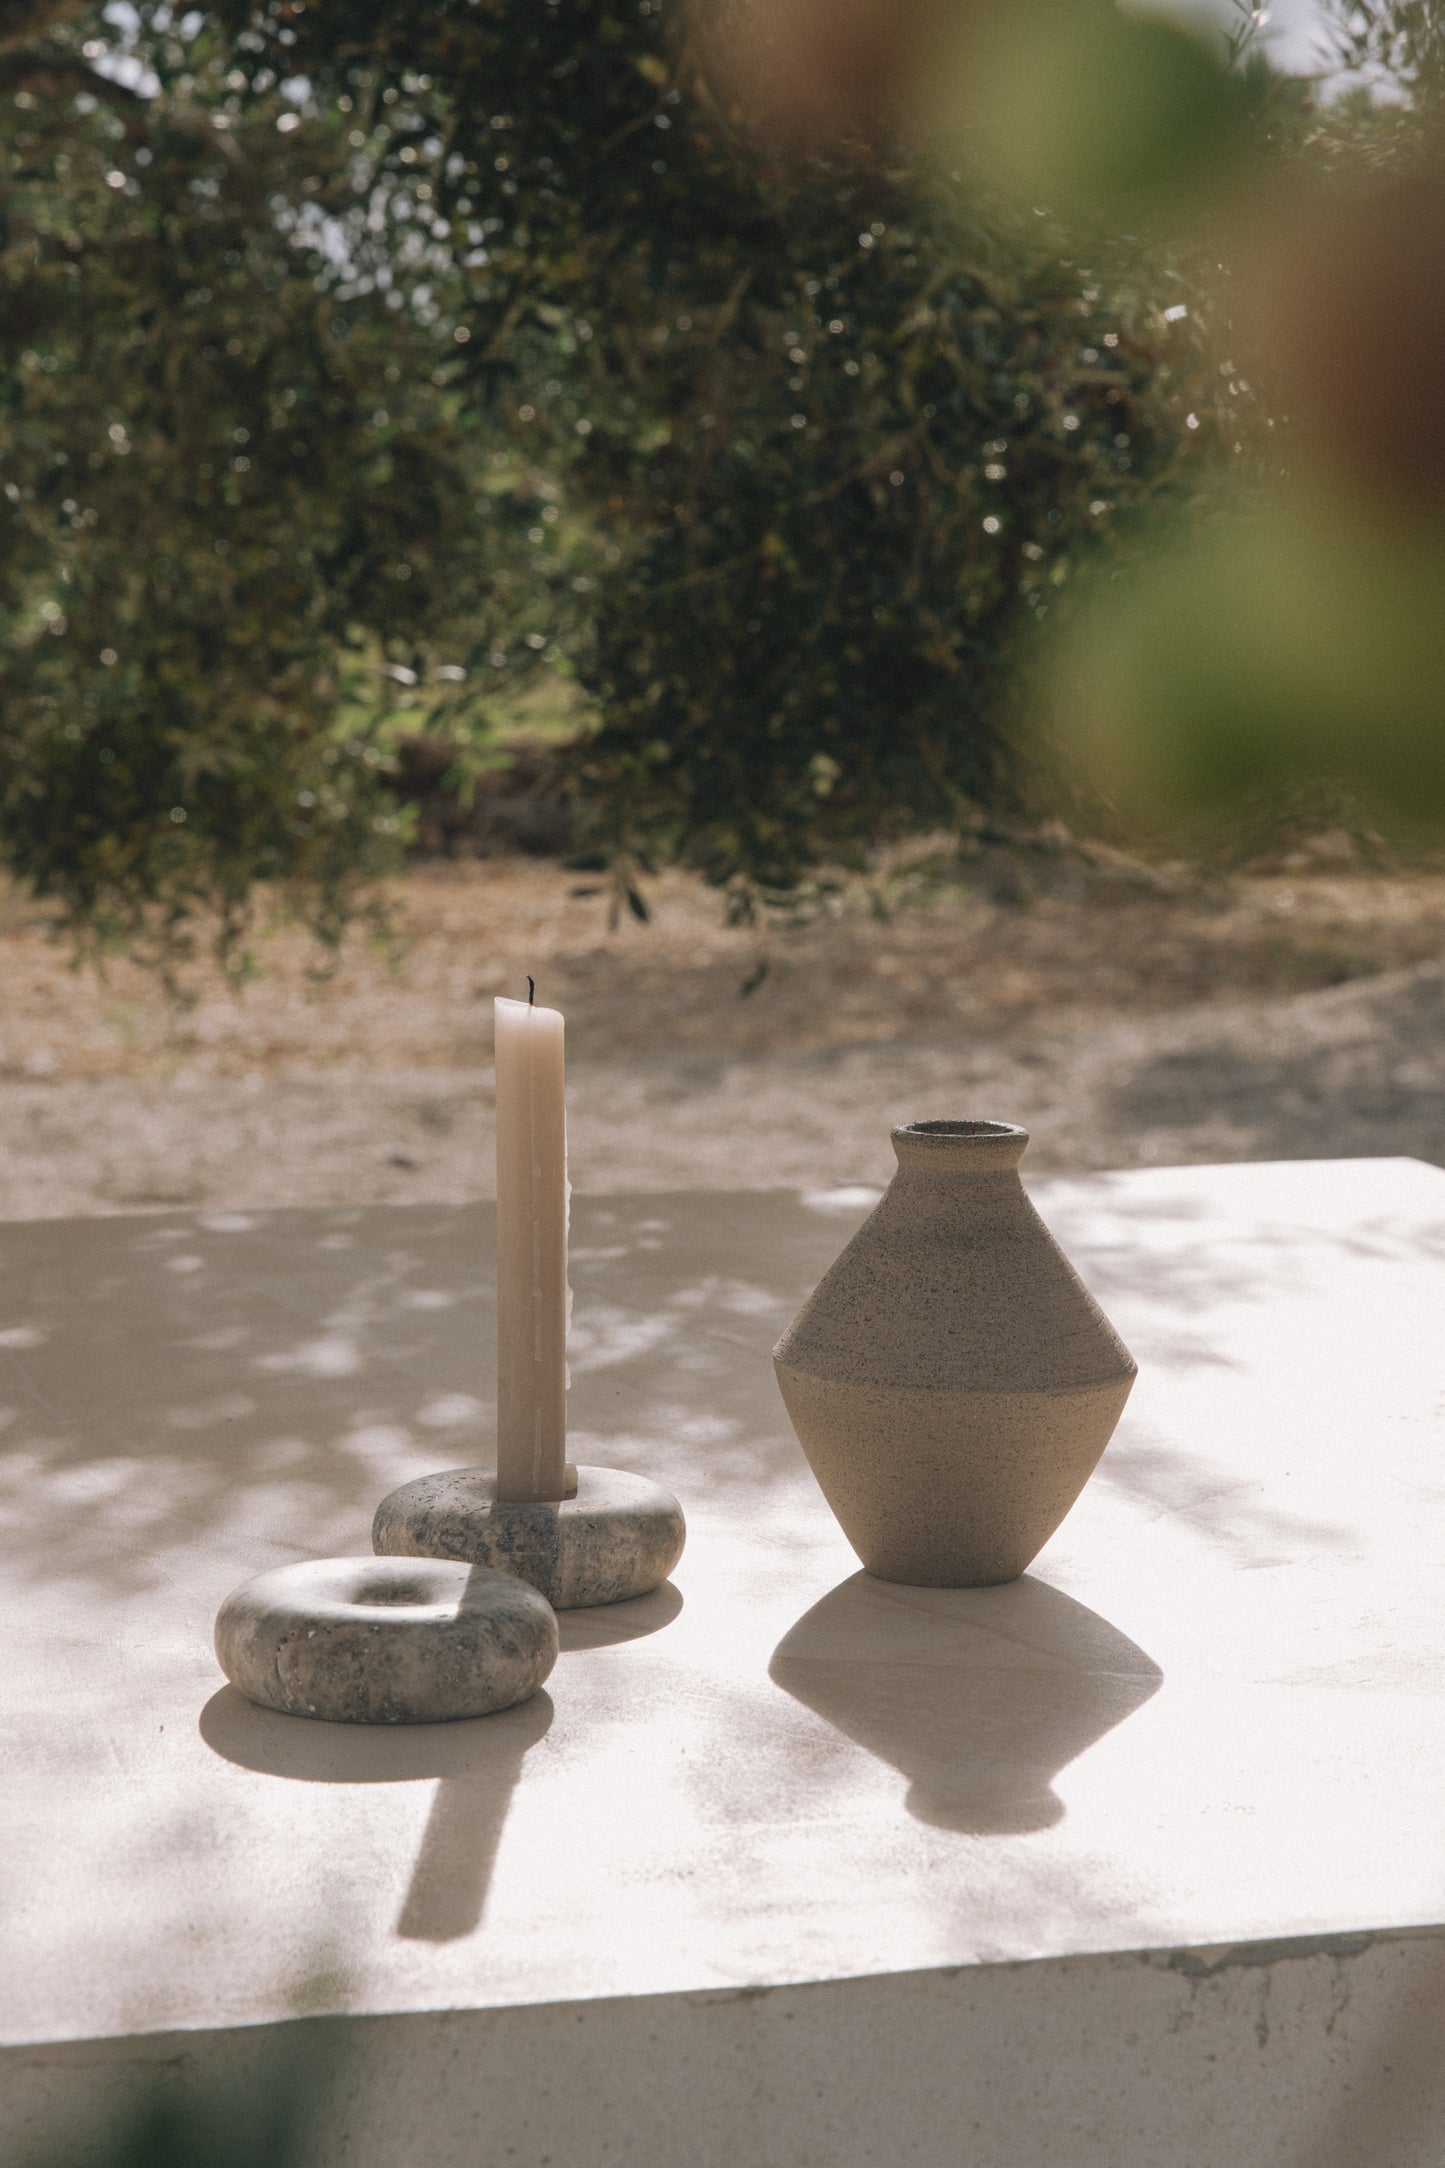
(617, 1536)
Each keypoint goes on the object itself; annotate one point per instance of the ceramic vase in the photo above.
(951, 1379)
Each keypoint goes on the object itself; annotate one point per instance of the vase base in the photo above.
(939, 1489)
(963, 1577)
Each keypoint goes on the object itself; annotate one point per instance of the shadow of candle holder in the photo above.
(476, 1763)
(604, 1625)
(978, 1696)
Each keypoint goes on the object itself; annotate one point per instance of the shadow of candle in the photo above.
(476, 1764)
(978, 1696)
(459, 1847)
(453, 1871)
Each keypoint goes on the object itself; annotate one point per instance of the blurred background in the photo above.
(891, 553)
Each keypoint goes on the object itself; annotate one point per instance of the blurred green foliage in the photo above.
(1127, 118)
(344, 339)
(1296, 632)
(260, 2119)
(1334, 663)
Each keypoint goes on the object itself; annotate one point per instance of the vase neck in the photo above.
(949, 1149)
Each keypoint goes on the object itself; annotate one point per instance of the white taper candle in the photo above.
(532, 1296)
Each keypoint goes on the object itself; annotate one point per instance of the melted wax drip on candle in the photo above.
(567, 1283)
(566, 1212)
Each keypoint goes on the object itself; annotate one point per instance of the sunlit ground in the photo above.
(1125, 1017)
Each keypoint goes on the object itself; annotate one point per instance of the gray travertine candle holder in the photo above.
(617, 1536)
(385, 1640)
(951, 1379)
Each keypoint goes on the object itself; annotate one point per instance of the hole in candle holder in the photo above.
(388, 1592)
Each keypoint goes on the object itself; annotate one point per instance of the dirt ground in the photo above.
(1125, 1018)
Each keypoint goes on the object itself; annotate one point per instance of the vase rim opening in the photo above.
(969, 1146)
(960, 1132)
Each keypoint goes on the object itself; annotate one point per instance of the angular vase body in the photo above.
(951, 1379)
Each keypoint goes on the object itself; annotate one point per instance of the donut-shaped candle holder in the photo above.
(619, 1536)
(386, 1640)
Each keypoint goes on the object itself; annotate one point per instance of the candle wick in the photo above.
(531, 991)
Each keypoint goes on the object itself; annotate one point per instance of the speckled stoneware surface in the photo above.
(618, 1537)
(386, 1640)
(951, 1380)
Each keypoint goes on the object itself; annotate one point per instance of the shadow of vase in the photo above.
(476, 1764)
(979, 1696)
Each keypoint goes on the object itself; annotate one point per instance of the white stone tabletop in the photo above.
(1213, 1713)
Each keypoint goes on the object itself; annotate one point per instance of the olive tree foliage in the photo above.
(843, 439)
(342, 336)
(231, 499)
